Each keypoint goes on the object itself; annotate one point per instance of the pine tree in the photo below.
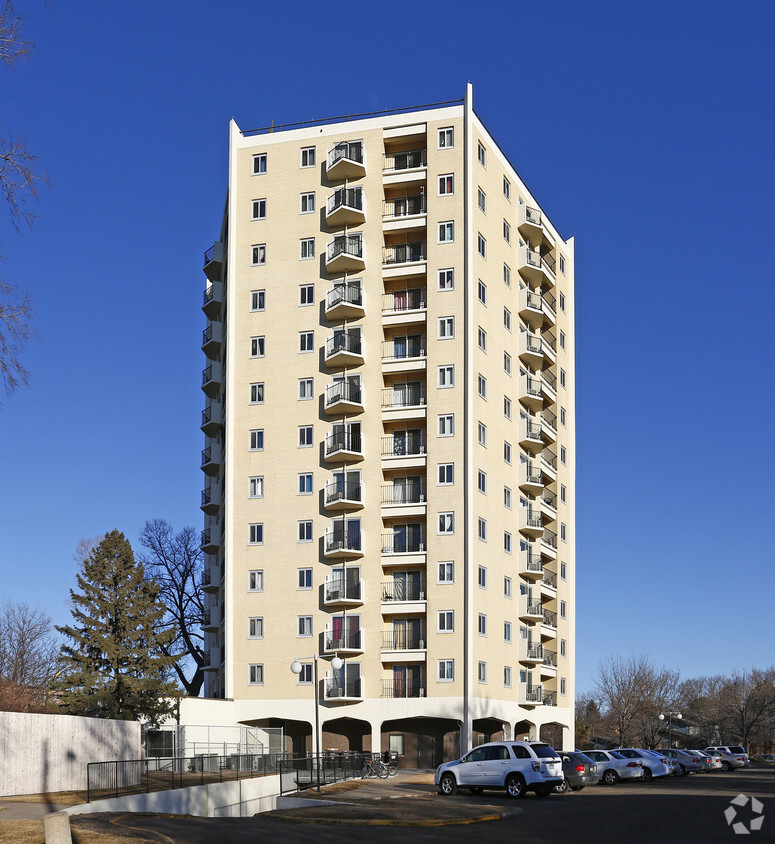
(115, 665)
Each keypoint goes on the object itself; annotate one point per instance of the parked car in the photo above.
(685, 762)
(727, 761)
(735, 750)
(578, 770)
(708, 763)
(517, 766)
(764, 757)
(612, 766)
(653, 764)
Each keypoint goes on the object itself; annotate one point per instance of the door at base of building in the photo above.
(426, 751)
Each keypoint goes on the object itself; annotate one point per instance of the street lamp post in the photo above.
(670, 716)
(296, 668)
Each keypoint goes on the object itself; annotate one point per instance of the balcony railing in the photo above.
(403, 590)
(550, 699)
(533, 651)
(550, 378)
(534, 695)
(403, 206)
(343, 391)
(401, 639)
(410, 396)
(550, 418)
(550, 340)
(340, 589)
(550, 302)
(351, 150)
(532, 562)
(550, 499)
(403, 446)
(343, 441)
(549, 538)
(550, 618)
(346, 244)
(343, 640)
(407, 160)
(345, 198)
(532, 518)
(206, 578)
(345, 294)
(550, 657)
(535, 609)
(533, 343)
(403, 253)
(532, 387)
(412, 493)
(410, 543)
(400, 348)
(531, 474)
(550, 262)
(403, 300)
(343, 491)
(341, 540)
(549, 457)
(333, 689)
(343, 343)
(532, 299)
(402, 688)
(532, 215)
(550, 579)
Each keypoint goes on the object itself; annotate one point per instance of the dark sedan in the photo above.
(578, 770)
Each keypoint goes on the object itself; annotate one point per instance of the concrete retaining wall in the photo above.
(44, 753)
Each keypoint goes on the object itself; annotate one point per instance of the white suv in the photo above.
(733, 756)
(517, 766)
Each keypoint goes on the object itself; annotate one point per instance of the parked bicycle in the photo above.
(375, 768)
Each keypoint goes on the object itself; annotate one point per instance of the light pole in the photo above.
(296, 667)
(670, 716)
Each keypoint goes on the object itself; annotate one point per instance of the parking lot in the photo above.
(668, 810)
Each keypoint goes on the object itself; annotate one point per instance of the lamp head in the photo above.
(661, 717)
(296, 666)
(336, 663)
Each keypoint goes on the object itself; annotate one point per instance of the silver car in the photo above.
(654, 765)
(735, 750)
(709, 764)
(612, 766)
(727, 761)
(685, 762)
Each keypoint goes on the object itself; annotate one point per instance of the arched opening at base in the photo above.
(422, 742)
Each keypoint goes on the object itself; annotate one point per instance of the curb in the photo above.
(497, 816)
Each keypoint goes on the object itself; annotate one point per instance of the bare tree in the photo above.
(748, 700)
(28, 656)
(659, 694)
(174, 561)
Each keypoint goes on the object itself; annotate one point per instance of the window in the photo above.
(307, 203)
(506, 587)
(446, 572)
(481, 577)
(481, 434)
(258, 254)
(506, 541)
(305, 436)
(305, 483)
(446, 328)
(305, 675)
(256, 487)
(562, 685)
(306, 341)
(446, 185)
(507, 497)
(305, 578)
(258, 209)
(507, 676)
(482, 385)
(446, 279)
(507, 363)
(563, 571)
(507, 319)
(446, 376)
(507, 275)
(563, 493)
(562, 264)
(563, 609)
(481, 245)
(562, 416)
(562, 339)
(256, 581)
(482, 335)
(308, 156)
(563, 533)
(482, 529)
(306, 248)
(446, 232)
(562, 301)
(506, 631)
(507, 407)
(481, 154)
(305, 532)
(482, 292)
(507, 452)
(481, 481)
(482, 624)
(306, 294)
(446, 621)
(446, 474)
(507, 188)
(446, 523)
(256, 675)
(259, 163)
(506, 232)
(257, 300)
(396, 744)
(446, 424)
(256, 628)
(257, 439)
(304, 627)
(446, 137)
(446, 670)
(257, 345)
(563, 647)
(482, 672)
(563, 454)
(481, 199)
(562, 377)
(306, 389)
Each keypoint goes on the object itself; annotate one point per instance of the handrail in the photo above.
(403, 253)
(401, 639)
(350, 293)
(345, 244)
(412, 493)
(409, 444)
(408, 347)
(404, 300)
(413, 542)
(404, 160)
(401, 590)
(403, 206)
(345, 341)
(343, 491)
(339, 589)
(343, 391)
(345, 198)
(343, 441)
(411, 396)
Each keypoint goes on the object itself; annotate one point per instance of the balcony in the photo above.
(213, 264)
(345, 207)
(530, 307)
(530, 611)
(531, 392)
(344, 446)
(343, 544)
(211, 459)
(208, 541)
(550, 699)
(549, 386)
(346, 161)
(212, 338)
(548, 425)
(209, 583)
(212, 419)
(530, 478)
(213, 659)
(530, 653)
(404, 541)
(407, 166)
(549, 662)
(529, 564)
(345, 254)
(211, 379)
(549, 343)
(549, 505)
(532, 226)
(345, 301)
(403, 253)
(401, 642)
(530, 696)
(401, 307)
(549, 619)
(535, 267)
(549, 305)
(401, 207)
(343, 642)
(341, 592)
(549, 464)
(404, 401)
(343, 397)
(402, 591)
(339, 691)
(530, 435)
(211, 498)
(400, 687)
(213, 300)
(405, 497)
(344, 349)
(549, 544)
(530, 349)
(343, 495)
(403, 354)
(404, 450)
(530, 522)
(211, 619)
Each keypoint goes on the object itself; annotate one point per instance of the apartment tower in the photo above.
(390, 451)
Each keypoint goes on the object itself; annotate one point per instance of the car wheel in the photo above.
(515, 786)
(682, 772)
(562, 788)
(610, 777)
(447, 785)
(725, 766)
(576, 787)
(544, 791)
(647, 775)
(477, 789)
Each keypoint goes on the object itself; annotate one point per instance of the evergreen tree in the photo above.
(115, 665)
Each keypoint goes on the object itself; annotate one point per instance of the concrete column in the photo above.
(508, 730)
(466, 734)
(376, 736)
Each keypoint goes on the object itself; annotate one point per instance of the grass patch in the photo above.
(62, 798)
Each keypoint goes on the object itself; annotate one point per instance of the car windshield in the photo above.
(544, 751)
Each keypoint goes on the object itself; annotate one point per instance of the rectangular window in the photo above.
(562, 264)
(507, 275)
(446, 279)
(482, 292)
(507, 452)
(257, 300)
(257, 439)
(257, 346)
(507, 319)
(563, 455)
(259, 163)
(507, 497)
(506, 541)
(306, 341)
(481, 434)
(481, 576)
(446, 670)
(446, 523)
(446, 376)
(482, 339)
(481, 245)
(563, 609)
(563, 493)
(507, 676)
(563, 571)
(562, 339)
(507, 188)
(258, 254)
(306, 674)
(306, 294)
(506, 232)
(481, 154)
(306, 203)
(305, 532)
(308, 156)
(305, 579)
(446, 232)
(306, 248)
(507, 407)
(563, 648)
(446, 424)
(446, 184)
(304, 628)
(563, 533)
(507, 363)
(446, 573)
(481, 481)
(562, 301)
(446, 137)
(446, 621)
(482, 385)
(506, 587)
(256, 628)
(305, 483)
(306, 389)
(396, 744)
(562, 377)
(256, 580)
(562, 416)
(562, 685)
(481, 200)
(446, 474)
(482, 529)
(256, 487)
(305, 436)
(258, 209)
(482, 624)
(446, 328)
(482, 672)
(506, 631)
(256, 675)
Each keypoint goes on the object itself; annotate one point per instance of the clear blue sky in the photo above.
(645, 129)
